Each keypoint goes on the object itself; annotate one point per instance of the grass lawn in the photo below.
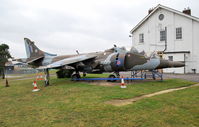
(75, 104)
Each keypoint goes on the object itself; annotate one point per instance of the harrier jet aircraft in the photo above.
(111, 60)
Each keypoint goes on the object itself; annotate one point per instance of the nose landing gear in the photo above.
(112, 76)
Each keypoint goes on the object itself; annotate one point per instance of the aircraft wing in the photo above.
(67, 61)
(34, 59)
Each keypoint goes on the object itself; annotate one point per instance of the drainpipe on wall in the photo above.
(165, 48)
(184, 63)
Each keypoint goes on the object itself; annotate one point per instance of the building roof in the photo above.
(166, 8)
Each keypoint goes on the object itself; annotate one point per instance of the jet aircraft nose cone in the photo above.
(176, 64)
(170, 64)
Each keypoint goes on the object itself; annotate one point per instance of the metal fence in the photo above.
(22, 71)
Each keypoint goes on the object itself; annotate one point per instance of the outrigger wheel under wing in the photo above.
(47, 77)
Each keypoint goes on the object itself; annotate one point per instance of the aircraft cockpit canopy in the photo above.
(154, 55)
(120, 49)
(133, 50)
(117, 50)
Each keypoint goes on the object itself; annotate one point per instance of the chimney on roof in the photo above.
(150, 10)
(187, 11)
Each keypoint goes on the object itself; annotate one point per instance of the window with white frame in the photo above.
(162, 35)
(179, 33)
(141, 38)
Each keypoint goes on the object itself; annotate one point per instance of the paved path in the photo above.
(132, 100)
(189, 77)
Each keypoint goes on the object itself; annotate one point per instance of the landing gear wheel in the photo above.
(75, 76)
(111, 80)
(84, 74)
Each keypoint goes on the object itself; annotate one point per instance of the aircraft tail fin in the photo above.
(33, 51)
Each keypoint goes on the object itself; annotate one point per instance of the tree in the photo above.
(4, 56)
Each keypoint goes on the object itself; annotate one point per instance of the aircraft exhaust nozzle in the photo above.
(170, 64)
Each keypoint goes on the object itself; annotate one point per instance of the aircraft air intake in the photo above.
(118, 62)
(126, 61)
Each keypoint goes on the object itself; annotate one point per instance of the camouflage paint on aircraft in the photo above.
(112, 60)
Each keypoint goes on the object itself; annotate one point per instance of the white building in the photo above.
(173, 31)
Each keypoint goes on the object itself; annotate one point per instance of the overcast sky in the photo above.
(63, 26)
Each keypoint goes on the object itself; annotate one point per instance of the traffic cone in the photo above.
(122, 85)
(41, 77)
(35, 87)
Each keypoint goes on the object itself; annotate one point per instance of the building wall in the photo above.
(189, 42)
(195, 57)
(176, 57)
